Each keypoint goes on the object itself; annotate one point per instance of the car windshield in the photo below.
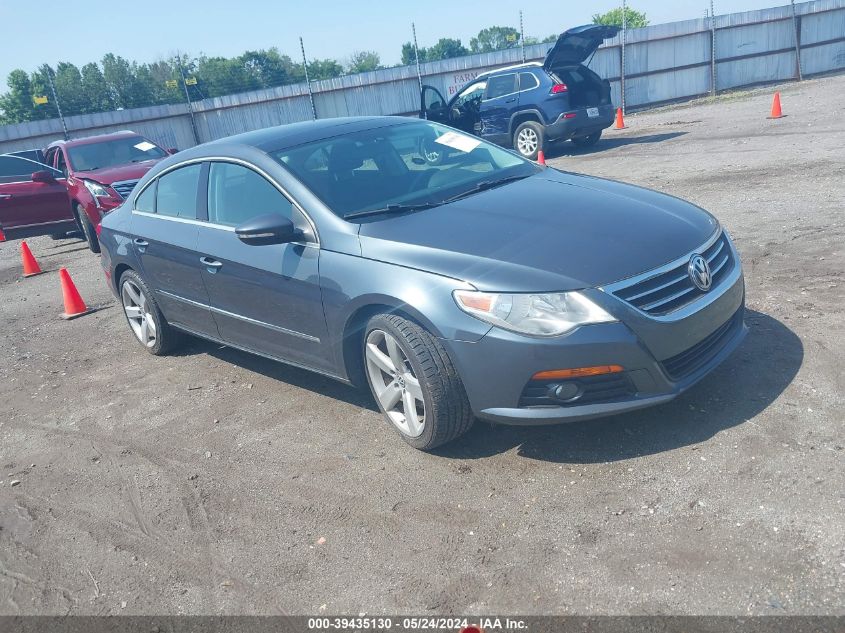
(407, 166)
(122, 151)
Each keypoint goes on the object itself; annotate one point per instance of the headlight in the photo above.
(97, 190)
(548, 314)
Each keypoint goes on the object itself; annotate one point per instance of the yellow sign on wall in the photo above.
(39, 100)
(191, 81)
(171, 83)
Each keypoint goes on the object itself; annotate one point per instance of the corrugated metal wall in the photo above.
(664, 62)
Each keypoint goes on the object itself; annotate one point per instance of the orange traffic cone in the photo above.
(620, 120)
(30, 266)
(776, 111)
(74, 305)
(541, 158)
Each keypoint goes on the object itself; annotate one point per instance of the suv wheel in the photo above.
(528, 139)
(144, 317)
(587, 141)
(87, 229)
(414, 382)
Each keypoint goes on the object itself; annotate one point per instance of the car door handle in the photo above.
(5, 196)
(510, 100)
(212, 265)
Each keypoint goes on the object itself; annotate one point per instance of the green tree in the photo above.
(408, 55)
(125, 89)
(324, 69)
(363, 61)
(72, 96)
(446, 48)
(633, 19)
(494, 38)
(16, 105)
(268, 68)
(94, 86)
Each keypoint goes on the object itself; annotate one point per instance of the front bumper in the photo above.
(497, 369)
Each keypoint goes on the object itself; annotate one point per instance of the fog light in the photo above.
(565, 391)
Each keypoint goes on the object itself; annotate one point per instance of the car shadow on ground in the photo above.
(743, 386)
(568, 148)
(282, 372)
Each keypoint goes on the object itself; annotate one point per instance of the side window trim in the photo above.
(202, 193)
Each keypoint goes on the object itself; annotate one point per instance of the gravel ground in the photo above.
(216, 482)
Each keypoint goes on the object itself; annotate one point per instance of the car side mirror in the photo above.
(172, 150)
(43, 176)
(268, 229)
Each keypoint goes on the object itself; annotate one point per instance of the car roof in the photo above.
(99, 138)
(526, 66)
(272, 139)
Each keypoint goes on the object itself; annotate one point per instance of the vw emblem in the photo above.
(699, 272)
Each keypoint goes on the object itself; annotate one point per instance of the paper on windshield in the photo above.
(144, 146)
(458, 141)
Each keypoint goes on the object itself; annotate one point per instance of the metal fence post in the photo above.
(307, 80)
(712, 50)
(190, 105)
(796, 26)
(49, 74)
(521, 36)
(622, 60)
(417, 55)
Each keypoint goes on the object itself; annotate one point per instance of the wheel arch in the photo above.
(521, 117)
(355, 327)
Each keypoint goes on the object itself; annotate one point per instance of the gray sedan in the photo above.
(483, 286)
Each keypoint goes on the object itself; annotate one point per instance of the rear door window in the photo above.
(177, 192)
(501, 86)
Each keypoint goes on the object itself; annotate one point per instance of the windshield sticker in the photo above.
(458, 141)
(144, 146)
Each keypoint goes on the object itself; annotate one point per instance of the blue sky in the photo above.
(38, 32)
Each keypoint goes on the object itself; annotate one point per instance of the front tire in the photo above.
(145, 319)
(414, 382)
(587, 141)
(529, 138)
(87, 229)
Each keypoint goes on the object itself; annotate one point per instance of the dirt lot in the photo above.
(206, 482)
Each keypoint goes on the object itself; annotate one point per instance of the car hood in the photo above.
(108, 175)
(577, 44)
(551, 231)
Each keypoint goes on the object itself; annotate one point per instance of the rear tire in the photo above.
(409, 370)
(87, 229)
(144, 317)
(587, 141)
(529, 138)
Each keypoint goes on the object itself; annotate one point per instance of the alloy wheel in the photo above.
(394, 384)
(137, 313)
(527, 141)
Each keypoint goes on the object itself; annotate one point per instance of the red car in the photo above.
(34, 200)
(101, 171)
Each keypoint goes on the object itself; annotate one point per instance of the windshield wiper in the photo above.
(391, 208)
(484, 185)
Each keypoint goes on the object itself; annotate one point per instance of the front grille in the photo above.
(694, 358)
(604, 388)
(673, 289)
(124, 187)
